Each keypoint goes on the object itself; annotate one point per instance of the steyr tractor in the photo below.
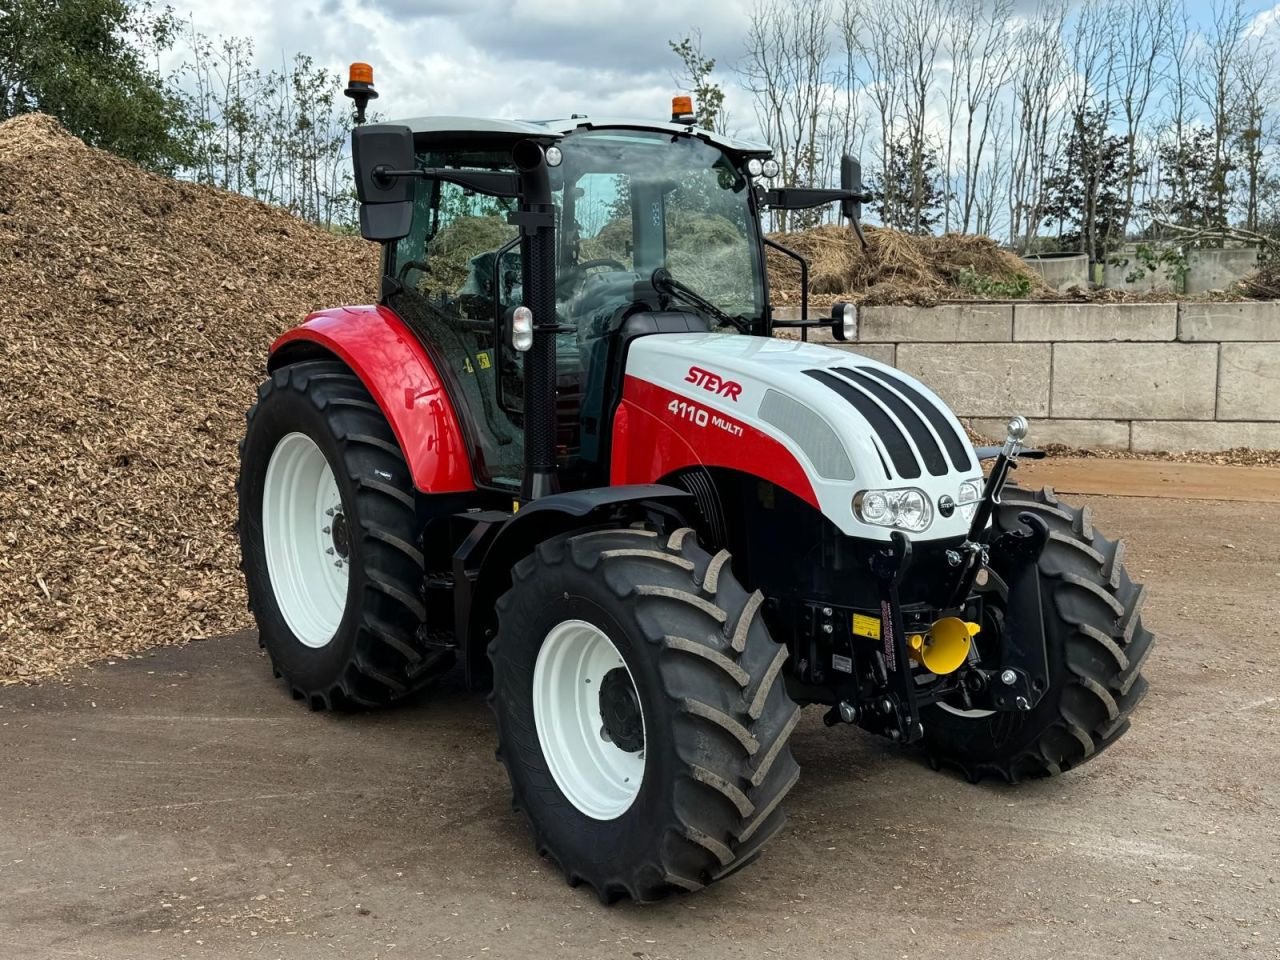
(565, 452)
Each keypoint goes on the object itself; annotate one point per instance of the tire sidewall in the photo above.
(282, 411)
(628, 837)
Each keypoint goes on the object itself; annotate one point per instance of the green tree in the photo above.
(85, 63)
(708, 97)
(910, 194)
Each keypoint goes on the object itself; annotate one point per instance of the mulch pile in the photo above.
(135, 313)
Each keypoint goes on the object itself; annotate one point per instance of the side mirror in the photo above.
(386, 202)
(851, 180)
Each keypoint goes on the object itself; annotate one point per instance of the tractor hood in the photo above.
(824, 423)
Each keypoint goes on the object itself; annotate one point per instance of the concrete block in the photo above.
(1229, 321)
(982, 379)
(1061, 271)
(1081, 434)
(1120, 381)
(1095, 321)
(1249, 381)
(884, 352)
(945, 323)
(1179, 435)
(1125, 270)
(1213, 269)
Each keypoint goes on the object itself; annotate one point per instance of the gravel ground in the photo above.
(179, 805)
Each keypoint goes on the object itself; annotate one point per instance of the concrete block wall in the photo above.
(1129, 376)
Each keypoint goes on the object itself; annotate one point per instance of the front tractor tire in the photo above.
(641, 712)
(1096, 646)
(329, 542)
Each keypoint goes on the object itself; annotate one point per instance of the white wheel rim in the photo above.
(308, 570)
(596, 775)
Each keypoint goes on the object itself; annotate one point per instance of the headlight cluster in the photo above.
(970, 494)
(907, 509)
(910, 508)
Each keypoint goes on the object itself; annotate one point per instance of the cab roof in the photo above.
(453, 130)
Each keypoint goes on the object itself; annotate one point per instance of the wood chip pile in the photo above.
(135, 312)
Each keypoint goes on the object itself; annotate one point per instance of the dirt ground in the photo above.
(180, 805)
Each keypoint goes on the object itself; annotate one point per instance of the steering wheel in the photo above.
(574, 275)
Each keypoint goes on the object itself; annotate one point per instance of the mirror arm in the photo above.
(491, 183)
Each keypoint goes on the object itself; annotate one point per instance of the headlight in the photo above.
(970, 494)
(907, 509)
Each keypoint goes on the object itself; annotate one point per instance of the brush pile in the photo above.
(898, 268)
(136, 312)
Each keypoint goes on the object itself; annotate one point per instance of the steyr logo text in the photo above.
(714, 383)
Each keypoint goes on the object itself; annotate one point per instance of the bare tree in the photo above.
(785, 66)
(981, 65)
(1145, 34)
(1036, 110)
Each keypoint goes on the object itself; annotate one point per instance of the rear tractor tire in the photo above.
(1096, 646)
(329, 542)
(642, 716)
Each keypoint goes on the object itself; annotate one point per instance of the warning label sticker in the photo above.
(864, 626)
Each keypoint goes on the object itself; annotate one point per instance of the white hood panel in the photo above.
(852, 423)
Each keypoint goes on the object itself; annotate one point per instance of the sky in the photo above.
(504, 58)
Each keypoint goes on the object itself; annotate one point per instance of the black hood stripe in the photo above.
(894, 440)
(907, 415)
(959, 449)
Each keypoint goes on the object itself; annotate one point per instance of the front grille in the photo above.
(901, 419)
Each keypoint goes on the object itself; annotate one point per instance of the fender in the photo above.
(535, 523)
(392, 364)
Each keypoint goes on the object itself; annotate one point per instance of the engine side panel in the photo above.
(392, 364)
(657, 431)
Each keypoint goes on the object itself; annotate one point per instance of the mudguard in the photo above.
(396, 370)
(535, 523)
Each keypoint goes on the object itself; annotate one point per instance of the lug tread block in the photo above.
(381, 534)
(384, 659)
(386, 634)
(711, 655)
(713, 743)
(398, 592)
(711, 579)
(612, 532)
(676, 540)
(756, 706)
(736, 730)
(722, 786)
(683, 596)
(675, 561)
(780, 740)
(739, 639)
(1093, 620)
(1100, 657)
(684, 883)
(749, 830)
(403, 497)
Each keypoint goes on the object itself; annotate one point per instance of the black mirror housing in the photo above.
(386, 203)
(851, 181)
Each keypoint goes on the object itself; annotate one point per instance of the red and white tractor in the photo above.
(564, 452)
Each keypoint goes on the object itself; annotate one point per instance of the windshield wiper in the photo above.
(668, 285)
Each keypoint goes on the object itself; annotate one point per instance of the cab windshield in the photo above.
(635, 201)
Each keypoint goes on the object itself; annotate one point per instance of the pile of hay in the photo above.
(897, 267)
(136, 316)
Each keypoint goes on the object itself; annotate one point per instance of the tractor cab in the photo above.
(628, 202)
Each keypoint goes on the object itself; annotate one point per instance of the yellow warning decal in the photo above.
(864, 626)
